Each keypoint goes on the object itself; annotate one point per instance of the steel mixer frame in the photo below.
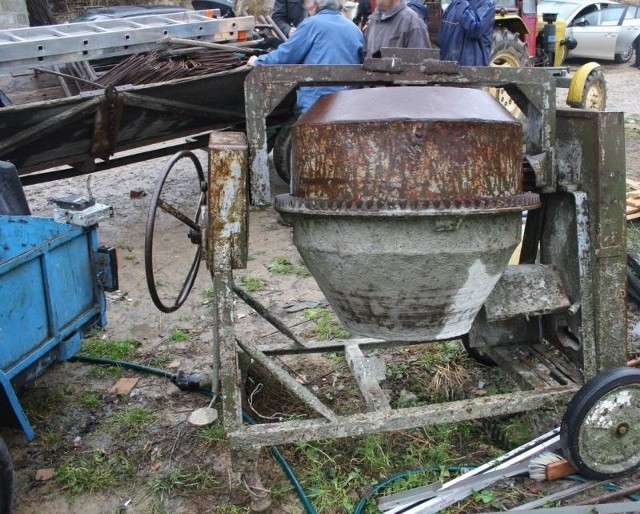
(580, 176)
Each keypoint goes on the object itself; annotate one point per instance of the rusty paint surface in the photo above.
(228, 207)
(409, 143)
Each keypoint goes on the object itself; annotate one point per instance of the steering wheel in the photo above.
(195, 233)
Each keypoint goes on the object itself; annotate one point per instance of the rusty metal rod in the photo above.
(206, 44)
(604, 498)
(170, 209)
(72, 77)
(264, 312)
(294, 387)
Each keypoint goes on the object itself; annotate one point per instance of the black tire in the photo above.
(7, 480)
(594, 95)
(476, 353)
(508, 49)
(282, 151)
(599, 430)
(633, 282)
(624, 56)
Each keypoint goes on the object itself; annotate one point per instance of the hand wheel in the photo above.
(195, 233)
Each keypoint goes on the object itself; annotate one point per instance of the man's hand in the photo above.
(252, 61)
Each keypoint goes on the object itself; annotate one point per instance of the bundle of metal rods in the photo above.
(158, 67)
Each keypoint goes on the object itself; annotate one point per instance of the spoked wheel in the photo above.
(7, 484)
(195, 234)
(600, 432)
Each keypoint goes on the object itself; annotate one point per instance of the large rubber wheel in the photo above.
(594, 95)
(624, 56)
(508, 51)
(600, 431)
(282, 151)
(7, 481)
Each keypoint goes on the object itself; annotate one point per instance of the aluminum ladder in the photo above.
(70, 42)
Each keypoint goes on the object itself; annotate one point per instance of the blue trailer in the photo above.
(52, 278)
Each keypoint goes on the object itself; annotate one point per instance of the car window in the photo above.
(632, 13)
(562, 9)
(612, 14)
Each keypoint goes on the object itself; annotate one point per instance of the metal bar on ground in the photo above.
(294, 387)
(264, 312)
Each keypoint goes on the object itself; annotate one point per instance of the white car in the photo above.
(603, 30)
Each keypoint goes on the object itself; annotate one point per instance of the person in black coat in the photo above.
(288, 14)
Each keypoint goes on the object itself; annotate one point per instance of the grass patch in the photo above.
(50, 441)
(327, 325)
(90, 398)
(213, 434)
(127, 424)
(159, 360)
(103, 372)
(95, 472)
(183, 481)
(252, 284)
(207, 293)
(106, 349)
(179, 335)
(633, 237)
(283, 266)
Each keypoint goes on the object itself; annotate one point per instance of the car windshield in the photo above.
(562, 9)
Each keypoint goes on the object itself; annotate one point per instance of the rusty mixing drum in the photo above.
(406, 206)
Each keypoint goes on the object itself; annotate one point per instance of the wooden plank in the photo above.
(633, 202)
(633, 216)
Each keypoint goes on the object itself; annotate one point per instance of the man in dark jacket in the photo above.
(288, 14)
(394, 25)
(364, 10)
(466, 32)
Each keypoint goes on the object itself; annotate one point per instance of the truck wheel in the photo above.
(7, 484)
(508, 51)
(624, 56)
(594, 94)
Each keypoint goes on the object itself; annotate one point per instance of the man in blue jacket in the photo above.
(466, 32)
(326, 37)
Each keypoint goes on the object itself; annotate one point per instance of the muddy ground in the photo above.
(106, 461)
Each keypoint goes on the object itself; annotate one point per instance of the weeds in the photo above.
(182, 480)
(127, 424)
(179, 335)
(327, 326)
(252, 284)
(93, 473)
(207, 292)
(213, 434)
(283, 266)
(159, 360)
(106, 349)
(90, 398)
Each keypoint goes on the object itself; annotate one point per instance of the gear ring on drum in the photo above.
(195, 233)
